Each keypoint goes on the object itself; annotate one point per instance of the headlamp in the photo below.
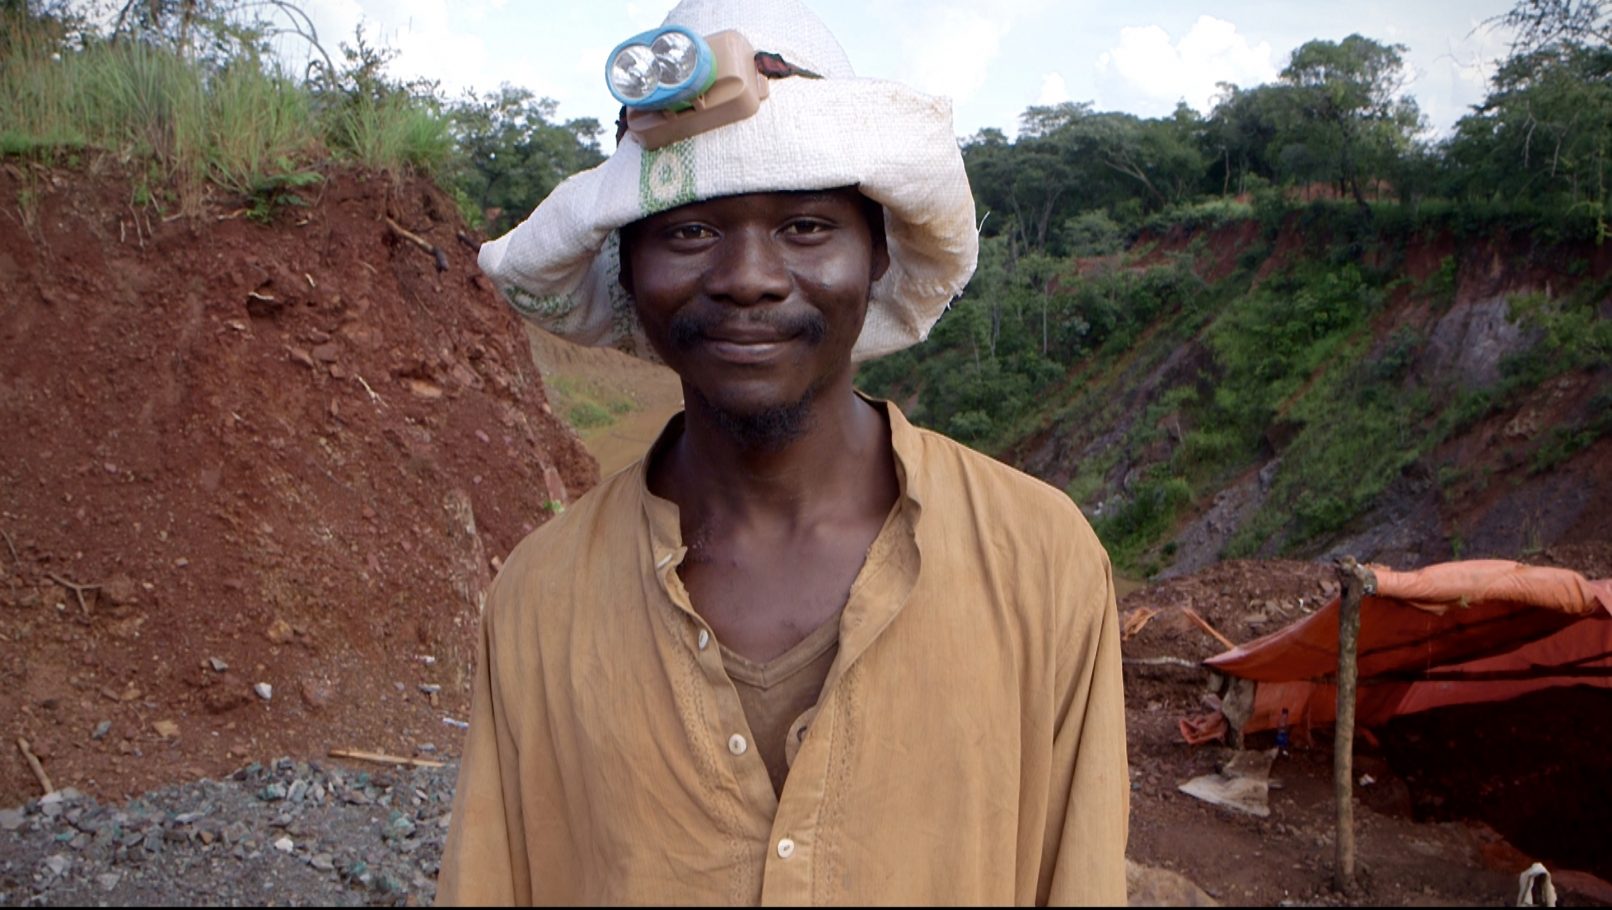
(674, 83)
(664, 69)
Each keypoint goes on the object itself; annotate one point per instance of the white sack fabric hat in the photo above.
(559, 268)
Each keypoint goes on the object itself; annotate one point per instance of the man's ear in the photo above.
(881, 259)
(881, 247)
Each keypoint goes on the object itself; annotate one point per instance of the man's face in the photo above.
(756, 300)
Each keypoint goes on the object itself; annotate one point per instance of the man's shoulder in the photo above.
(975, 507)
(949, 467)
(979, 501)
(598, 520)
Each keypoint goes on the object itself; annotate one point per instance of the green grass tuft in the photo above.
(244, 125)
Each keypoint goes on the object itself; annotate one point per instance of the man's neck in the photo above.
(839, 460)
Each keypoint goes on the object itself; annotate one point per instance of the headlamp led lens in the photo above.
(635, 73)
(663, 69)
(675, 58)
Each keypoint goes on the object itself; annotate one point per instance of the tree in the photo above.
(1345, 112)
(1241, 132)
(1544, 133)
(1069, 160)
(1025, 182)
(1041, 121)
(1546, 24)
(513, 152)
(1161, 155)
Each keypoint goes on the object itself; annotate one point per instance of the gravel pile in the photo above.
(290, 833)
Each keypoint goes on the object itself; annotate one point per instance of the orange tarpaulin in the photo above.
(1455, 633)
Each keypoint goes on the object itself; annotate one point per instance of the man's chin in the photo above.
(760, 424)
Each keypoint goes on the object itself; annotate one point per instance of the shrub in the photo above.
(586, 415)
(1143, 518)
(1093, 233)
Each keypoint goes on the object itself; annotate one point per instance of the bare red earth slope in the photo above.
(282, 454)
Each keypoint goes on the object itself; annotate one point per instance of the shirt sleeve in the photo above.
(484, 859)
(1089, 816)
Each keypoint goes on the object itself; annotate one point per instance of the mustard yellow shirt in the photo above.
(968, 745)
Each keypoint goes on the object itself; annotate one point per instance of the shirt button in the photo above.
(704, 639)
(737, 745)
(786, 848)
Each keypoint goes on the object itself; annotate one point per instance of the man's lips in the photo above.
(746, 334)
(733, 332)
(747, 347)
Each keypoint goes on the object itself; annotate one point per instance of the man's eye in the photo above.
(690, 232)
(805, 226)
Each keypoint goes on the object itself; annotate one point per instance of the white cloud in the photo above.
(951, 50)
(429, 33)
(1053, 90)
(943, 47)
(1148, 73)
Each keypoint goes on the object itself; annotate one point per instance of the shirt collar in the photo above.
(905, 442)
(662, 514)
(887, 577)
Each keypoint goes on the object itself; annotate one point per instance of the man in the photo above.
(803, 652)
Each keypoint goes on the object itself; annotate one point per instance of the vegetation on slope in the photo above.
(1279, 360)
(188, 94)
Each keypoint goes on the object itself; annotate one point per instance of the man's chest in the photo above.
(761, 600)
(935, 689)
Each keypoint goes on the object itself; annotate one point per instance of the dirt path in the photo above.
(618, 404)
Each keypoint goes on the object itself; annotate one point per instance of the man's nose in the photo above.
(749, 269)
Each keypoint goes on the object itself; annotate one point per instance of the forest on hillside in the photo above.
(1335, 129)
(1094, 225)
(1092, 288)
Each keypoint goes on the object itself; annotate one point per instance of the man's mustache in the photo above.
(689, 328)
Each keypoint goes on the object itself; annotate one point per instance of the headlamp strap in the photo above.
(774, 66)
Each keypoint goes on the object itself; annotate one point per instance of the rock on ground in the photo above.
(291, 832)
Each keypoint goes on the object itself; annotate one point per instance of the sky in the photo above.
(992, 58)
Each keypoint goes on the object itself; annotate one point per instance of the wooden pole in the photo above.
(1203, 624)
(1355, 581)
(35, 766)
(382, 758)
